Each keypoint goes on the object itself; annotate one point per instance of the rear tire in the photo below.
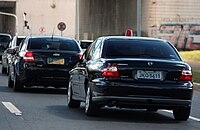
(10, 82)
(182, 114)
(3, 70)
(17, 85)
(91, 109)
(71, 102)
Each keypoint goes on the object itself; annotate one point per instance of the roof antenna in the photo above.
(53, 33)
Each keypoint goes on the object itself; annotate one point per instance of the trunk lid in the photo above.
(148, 70)
(54, 59)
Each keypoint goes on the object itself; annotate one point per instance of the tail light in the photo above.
(186, 75)
(110, 71)
(80, 55)
(28, 57)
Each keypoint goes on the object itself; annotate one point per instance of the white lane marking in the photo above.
(12, 108)
(191, 117)
(194, 118)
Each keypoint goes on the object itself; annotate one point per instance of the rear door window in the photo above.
(19, 40)
(53, 44)
(139, 49)
(92, 49)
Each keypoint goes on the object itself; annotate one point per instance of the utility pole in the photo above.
(16, 23)
(139, 18)
(77, 19)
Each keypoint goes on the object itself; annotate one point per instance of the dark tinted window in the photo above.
(85, 45)
(19, 41)
(4, 40)
(53, 44)
(139, 49)
(92, 48)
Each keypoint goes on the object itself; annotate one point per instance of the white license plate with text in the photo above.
(141, 74)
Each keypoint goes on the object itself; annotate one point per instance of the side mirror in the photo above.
(12, 50)
(82, 61)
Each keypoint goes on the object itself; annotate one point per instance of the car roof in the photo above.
(60, 37)
(133, 38)
(182, 23)
(86, 40)
(5, 34)
(19, 37)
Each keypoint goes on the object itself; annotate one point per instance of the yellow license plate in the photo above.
(56, 61)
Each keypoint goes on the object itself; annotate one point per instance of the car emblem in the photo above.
(150, 63)
(56, 54)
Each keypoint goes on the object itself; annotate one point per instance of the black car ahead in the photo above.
(43, 61)
(131, 72)
(6, 57)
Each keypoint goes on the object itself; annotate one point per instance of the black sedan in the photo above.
(6, 58)
(4, 40)
(43, 61)
(131, 72)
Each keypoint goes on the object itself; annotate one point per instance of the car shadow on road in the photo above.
(5, 89)
(36, 90)
(45, 90)
(113, 114)
(2, 74)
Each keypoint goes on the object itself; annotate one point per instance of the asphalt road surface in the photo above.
(46, 109)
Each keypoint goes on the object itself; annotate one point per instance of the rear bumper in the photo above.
(45, 77)
(143, 95)
(142, 102)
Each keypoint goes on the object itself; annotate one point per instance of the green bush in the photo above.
(196, 76)
(190, 55)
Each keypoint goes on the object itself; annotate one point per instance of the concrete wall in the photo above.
(106, 17)
(99, 17)
(156, 12)
(46, 14)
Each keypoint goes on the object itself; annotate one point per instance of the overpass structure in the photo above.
(106, 17)
(88, 19)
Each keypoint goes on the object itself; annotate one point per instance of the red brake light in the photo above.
(186, 75)
(110, 71)
(28, 57)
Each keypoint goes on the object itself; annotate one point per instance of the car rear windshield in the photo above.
(53, 44)
(140, 49)
(4, 40)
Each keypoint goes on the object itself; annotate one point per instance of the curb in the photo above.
(197, 86)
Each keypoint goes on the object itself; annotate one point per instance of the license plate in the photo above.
(56, 61)
(149, 74)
